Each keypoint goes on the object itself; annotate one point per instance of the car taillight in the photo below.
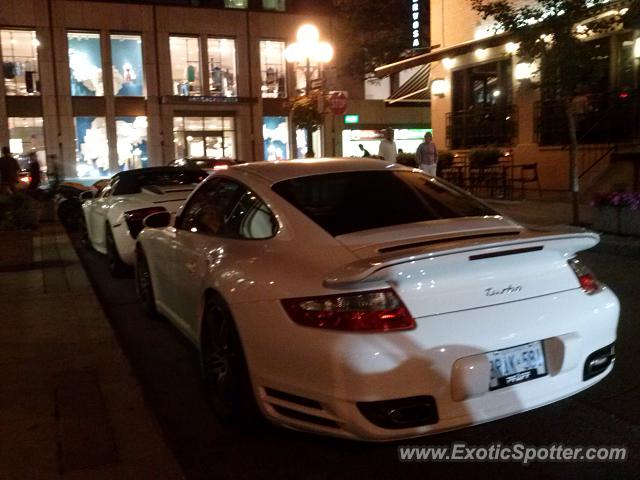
(134, 218)
(586, 277)
(374, 311)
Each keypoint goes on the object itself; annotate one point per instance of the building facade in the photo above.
(98, 87)
(483, 94)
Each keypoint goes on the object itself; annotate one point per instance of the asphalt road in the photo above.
(166, 366)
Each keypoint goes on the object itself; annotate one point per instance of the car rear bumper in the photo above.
(313, 380)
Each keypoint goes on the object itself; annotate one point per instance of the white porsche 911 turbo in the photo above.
(370, 301)
(113, 219)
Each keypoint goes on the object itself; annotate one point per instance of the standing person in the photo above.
(34, 172)
(387, 150)
(9, 169)
(427, 155)
(365, 152)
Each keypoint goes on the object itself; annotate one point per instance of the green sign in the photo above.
(351, 118)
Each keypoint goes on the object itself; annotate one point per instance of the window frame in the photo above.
(33, 30)
(212, 182)
(102, 61)
(285, 63)
(142, 56)
(235, 61)
(200, 72)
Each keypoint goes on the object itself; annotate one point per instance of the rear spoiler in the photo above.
(364, 270)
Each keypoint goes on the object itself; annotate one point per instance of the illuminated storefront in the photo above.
(275, 132)
(204, 137)
(407, 139)
(20, 62)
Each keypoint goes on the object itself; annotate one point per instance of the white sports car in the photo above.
(371, 301)
(112, 220)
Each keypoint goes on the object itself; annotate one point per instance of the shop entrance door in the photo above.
(205, 144)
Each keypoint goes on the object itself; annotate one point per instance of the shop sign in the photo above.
(338, 102)
(203, 99)
(352, 119)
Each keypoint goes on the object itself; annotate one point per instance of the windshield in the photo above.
(349, 202)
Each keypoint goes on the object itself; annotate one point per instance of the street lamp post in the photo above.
(306, 49)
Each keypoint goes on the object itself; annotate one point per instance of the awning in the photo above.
(440, 53)
(414, 90)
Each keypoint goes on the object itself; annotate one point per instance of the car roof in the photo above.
(278, 170)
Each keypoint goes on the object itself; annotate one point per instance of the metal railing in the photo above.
(605, 118)
(491, 125)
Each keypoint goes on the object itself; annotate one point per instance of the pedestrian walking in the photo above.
(365, 152)
(427, 155)
(9, 169)
(387, 150)
(34, 172)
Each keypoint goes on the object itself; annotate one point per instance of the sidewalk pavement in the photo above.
(70, 407)
(546, 212)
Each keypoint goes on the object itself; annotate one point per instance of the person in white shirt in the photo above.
(427, 155)
(387, 150)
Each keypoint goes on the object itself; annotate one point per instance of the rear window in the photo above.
(349, 202)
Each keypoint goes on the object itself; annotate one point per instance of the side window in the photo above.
(251, 219)
(225, 208)
(205, 213)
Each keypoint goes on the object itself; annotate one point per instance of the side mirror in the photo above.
(88, 195)
(157, 220)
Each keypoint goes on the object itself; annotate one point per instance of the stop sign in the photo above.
(338, 102)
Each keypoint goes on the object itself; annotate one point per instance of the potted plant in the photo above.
(18, 221)
(484, 157)
(617, 212)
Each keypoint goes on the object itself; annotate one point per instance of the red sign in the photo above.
(338, 102)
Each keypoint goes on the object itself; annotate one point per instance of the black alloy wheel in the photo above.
(69, 213)
(144, 285)
(224, 368)
(117, 267)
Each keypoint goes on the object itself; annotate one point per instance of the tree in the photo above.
(373, 33)
(552, 33)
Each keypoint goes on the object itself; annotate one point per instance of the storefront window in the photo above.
(185, 65)
(626, 62)
(278, 5)
(204, 137)
(273, 69)
(407, 139)
(20, 62)
(126, 60)
(301, 143)
(92, 148)
(275, 132)
(132, 142)
(85, 64)
(222, 67)
(236, 3)
(26, 135)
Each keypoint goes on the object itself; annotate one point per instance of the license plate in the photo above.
(516, 365)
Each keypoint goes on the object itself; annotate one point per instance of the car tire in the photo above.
(69, 213)
(144, 285)
(117, 267)
(225, 374)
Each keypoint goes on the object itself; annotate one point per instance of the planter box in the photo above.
(630, 222)
(16, 249)
(606, 219)
(622, 221)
